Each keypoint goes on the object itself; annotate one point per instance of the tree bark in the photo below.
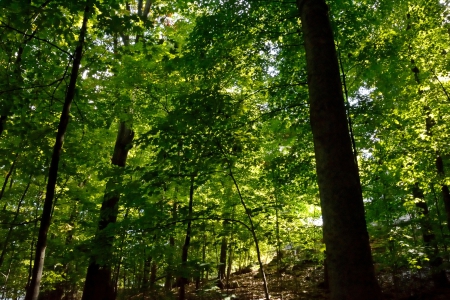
(184, 255)
(153, 273)
(444, 187)
(145, 277)
(98, 284)
(5, 183)
(438, 275)
(350, 267)
(41, 245)
(223, 259)
(169, 271)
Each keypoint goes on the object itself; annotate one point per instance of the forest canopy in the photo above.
(160, 149)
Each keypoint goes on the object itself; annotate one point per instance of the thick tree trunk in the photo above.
(350, 267)
(33, 289)
(98, 284)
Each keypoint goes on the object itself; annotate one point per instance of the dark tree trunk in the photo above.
(169, 271)
(5, 183)
(120, 256)
(437, 273)
(168, 281)
(444, 188)
(223, 259)
(2, 123)
(169, 276)
(349, 260)
(98, 284)
(153, 272)
(184, 255)
(41, 245)
(145, 277)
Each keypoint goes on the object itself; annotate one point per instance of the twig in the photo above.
(37, 38)
(32, 87)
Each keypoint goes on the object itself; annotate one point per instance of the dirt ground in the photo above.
(305, 282)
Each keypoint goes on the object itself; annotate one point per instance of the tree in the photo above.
(33, 289)
(218, 90)
(350, 267)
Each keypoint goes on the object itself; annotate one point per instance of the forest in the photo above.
(224, 149)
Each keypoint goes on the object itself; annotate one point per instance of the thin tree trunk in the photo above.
(184, 255)
(444, 188)
(255, 238)
(169, 271)
(438, 275)
(3, 119)
(5, 183)
(68, 286)
(30, 265)
(149, 274)
(350, 267)
(7, 274)
(119, 262)
(11, 227)
(168, 281)
(230, 254)
(33, 289)
(429, 123)
(153, 272)
(145, 277)
(223, 258)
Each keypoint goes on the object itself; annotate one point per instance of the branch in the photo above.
(442, 86)
(33, 87)
(37, 38)
(20, 224)
(214, 218)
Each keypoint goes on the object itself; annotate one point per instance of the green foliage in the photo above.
(211, 87)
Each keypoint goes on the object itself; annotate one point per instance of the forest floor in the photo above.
(305, 282)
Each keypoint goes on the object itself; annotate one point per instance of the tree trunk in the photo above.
(169, 271)
(444, 187)
(350, 267)
(98, 278)
(11, 227)
(255, 238)
(230, 251)
(438, 275)
(184, 255)
(145, 277)
(33, 289)
(3, 119)
(5, 183)
(98, 284)
(223, 258)
(153, 273)
(120, 256)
